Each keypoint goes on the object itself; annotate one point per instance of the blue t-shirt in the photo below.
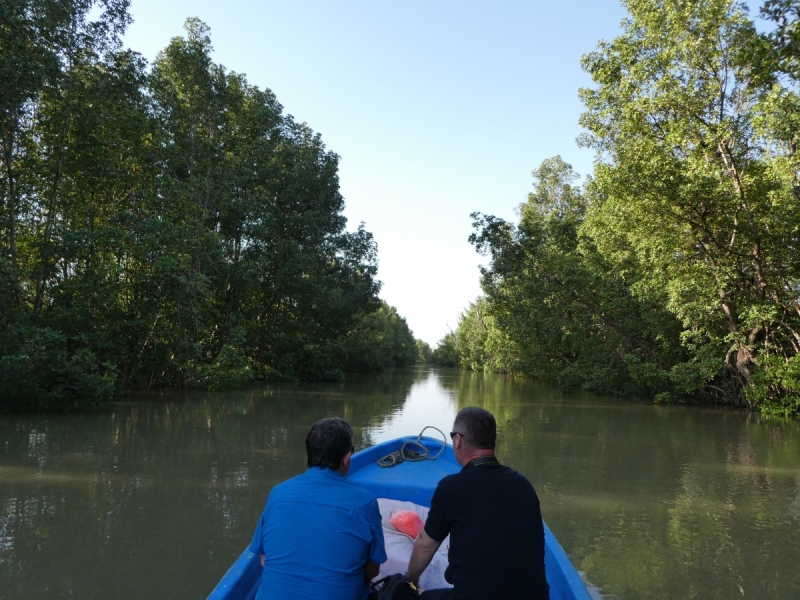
(317, 532)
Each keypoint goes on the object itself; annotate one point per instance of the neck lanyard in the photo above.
(482, 460)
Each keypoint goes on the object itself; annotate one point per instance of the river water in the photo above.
(156, 495)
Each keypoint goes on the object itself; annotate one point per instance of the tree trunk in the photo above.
(44, 253)
(758, 261)
(12, 210)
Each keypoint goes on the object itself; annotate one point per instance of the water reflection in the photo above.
(156, 496)
(655, 502)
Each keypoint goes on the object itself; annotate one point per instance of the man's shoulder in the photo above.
(281, 492)
(343, 487)
(361, 499)
(516, 480)
(333, 488)
(359, 494)
(307, 483)
(287, 486)
(515, 475)
(454, 485)
(451, 481)
(499, 475)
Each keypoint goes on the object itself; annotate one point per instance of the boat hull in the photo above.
(412, 482)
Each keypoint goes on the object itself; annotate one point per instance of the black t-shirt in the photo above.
(496, 534)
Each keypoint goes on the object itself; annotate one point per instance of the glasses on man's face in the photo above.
(352, 449)
(453, 434)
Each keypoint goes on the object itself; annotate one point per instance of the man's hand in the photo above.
(424, 549)
(371, 571)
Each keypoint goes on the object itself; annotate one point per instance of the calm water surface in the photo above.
(157, 495)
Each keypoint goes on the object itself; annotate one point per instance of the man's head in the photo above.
(476, 427)
(329, 444)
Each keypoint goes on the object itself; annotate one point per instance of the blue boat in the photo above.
(412, 482)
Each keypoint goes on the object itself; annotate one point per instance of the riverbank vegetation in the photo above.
(166, 224)
(674, 271)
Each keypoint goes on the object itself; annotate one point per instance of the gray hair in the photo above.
(478, 427)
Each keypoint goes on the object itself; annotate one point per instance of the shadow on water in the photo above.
(156, 496)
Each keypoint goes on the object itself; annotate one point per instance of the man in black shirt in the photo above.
(492, 515)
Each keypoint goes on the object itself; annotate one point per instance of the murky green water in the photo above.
(155, 497)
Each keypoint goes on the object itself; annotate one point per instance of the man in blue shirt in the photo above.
(320, 536)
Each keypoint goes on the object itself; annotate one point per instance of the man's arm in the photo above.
(377, 547)
(371, 571)
(424, 549)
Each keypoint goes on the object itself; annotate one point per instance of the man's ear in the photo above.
(346, 461)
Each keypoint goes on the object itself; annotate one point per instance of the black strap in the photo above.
(482, 460)
(394, 587)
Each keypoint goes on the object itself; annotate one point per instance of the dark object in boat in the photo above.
(394, 587)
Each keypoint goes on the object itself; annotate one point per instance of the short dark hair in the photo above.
(328, 442)
(478, 427)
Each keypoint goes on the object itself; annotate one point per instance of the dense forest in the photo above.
(673, 272)
(166, 224)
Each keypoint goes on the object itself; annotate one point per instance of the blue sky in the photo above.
(437, 108)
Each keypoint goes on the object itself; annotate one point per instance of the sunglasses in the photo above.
(453, 434)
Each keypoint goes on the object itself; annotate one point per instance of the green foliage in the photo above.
(446, 353)
(168, 219)
(380, 340)
(476, 340)
(775, 53)
(698, 188)
(554, 309)
(42, 369)
(675, 272)
(471, 335)
(775, 387)
(423, 352)
(230, 370)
